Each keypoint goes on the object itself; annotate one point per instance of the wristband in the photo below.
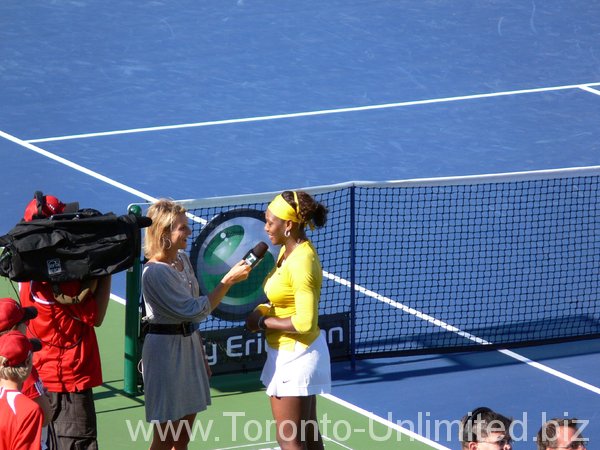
(261, 323)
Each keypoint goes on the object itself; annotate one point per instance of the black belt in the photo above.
(185, 328)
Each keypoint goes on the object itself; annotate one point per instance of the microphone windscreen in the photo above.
(260, 249)
(143, 221)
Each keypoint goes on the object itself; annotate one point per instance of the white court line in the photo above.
(464, 334)
(551, 371)
(118, 299)
(385, 422)
(315, 113)
(589, 89)
(75, 166)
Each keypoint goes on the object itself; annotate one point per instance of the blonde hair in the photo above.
(17, 374)
(163, 214)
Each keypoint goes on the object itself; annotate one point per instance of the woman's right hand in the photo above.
(252, 320)
(237, 273)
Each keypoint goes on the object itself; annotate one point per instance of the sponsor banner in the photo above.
(236, 349)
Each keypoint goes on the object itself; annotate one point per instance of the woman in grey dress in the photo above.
(174, 370)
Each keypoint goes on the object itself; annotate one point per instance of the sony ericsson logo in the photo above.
(223, 242)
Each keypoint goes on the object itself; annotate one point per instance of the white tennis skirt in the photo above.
(298, 373)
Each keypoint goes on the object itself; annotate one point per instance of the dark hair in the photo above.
(308, 209)
(547, 435)
(479, 423)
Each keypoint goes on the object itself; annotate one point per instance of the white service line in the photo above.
(316, 113)
(589, 89)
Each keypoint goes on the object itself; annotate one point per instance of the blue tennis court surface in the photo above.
(110, 103)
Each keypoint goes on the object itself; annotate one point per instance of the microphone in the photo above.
(254, 256)
(143, 221)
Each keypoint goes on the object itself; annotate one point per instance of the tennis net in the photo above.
(444, 264)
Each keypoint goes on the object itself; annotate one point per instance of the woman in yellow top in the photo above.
(298, 363)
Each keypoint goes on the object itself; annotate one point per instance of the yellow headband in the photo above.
(282, 209)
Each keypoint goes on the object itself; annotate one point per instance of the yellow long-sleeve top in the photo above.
(294, 290)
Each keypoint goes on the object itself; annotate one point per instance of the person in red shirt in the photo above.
(20, 417)
(14, 317)
(69, 362)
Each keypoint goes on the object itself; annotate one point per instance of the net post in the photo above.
(352, 277)
(132, 321)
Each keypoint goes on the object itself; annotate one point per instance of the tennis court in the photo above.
(112, 103)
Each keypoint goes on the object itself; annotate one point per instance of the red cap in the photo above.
(15, 347)
(47, 205)
(11, 313)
